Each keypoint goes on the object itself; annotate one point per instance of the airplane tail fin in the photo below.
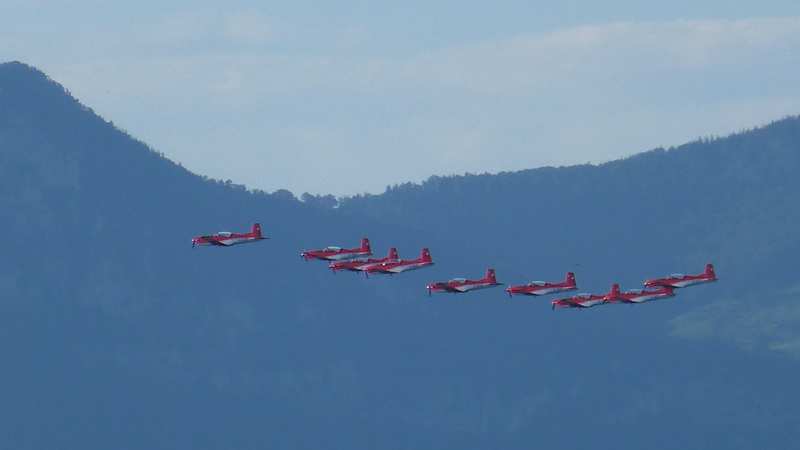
(393, 253)
(256, 231)
(426, 255)
(365, 245)
(615, 288)
(491, 277)
(710, 271)
(571, 279)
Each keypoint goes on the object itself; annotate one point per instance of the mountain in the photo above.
(115, 333)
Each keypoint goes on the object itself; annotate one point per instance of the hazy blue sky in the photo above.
(346, 97)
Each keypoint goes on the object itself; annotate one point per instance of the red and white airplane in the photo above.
(681, 280)
(580, 301)
(543, 288)
(226, 239)
(400, 266)
(457, 285)
(638, 295)
(338, 253)
(360, 265)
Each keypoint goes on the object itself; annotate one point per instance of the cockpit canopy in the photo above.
(634, 291)
(583, 296)
(333, 249)
(458, 280)
(677, 276)
(224, 233)
(536, 283)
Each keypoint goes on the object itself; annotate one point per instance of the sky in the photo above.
(349, 97)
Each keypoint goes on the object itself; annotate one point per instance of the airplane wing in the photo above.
(447, 288)
(660, 282)
(572, 303)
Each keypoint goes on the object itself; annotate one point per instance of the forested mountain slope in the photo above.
(114, 333)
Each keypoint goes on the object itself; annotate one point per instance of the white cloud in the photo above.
(561, 62)
(563, 59)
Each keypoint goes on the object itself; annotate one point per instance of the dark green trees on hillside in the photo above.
(115, 333)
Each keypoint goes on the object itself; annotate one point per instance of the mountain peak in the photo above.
(18, 68)
(24, 87)
(48, 136)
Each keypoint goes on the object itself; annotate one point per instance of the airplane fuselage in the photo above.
(334, 256)
(646, 297)
(356, 266)
(459, 287)
(641, 296)
(334, 253)
(403, 267)
(679, 282)
(225, 241)
(580, 301)
(398, 266)
(539, 290)
(536, 288)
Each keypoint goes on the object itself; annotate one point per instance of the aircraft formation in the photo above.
(355, 260)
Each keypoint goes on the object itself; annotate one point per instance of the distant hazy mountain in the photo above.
(115, 333)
